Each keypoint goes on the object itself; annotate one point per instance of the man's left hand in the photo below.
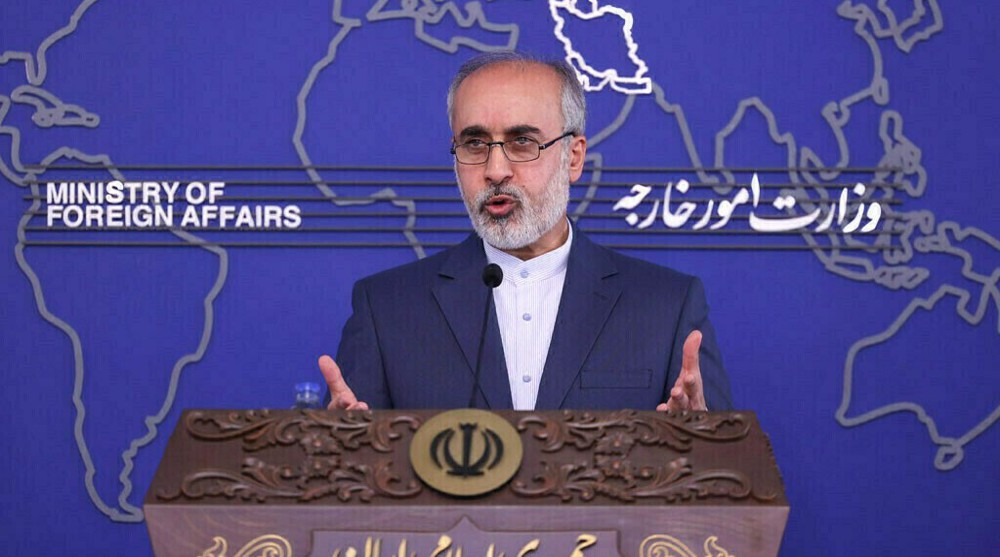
(688, 393)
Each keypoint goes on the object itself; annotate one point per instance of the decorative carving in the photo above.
(264, 546)
(663, 545)
(674, 429)
(712, 548)
(258, 429)
(324, 437)
(673, 482)
(624, 456)
(611, 473)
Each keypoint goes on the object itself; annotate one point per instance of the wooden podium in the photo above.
(466, 483)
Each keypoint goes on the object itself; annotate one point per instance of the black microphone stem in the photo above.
(479, 353)
(492, 277)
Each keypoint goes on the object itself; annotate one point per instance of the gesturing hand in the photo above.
(341, 395)
(688, 393)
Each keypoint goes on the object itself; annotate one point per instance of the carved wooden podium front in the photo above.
(263, 483)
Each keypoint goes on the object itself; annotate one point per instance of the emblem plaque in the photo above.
(466, 452)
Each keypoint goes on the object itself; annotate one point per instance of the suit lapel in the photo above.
(461, 295)
(588, 297)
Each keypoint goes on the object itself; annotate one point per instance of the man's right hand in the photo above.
(341, 396)
(688, 393)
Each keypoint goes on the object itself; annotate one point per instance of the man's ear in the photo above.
(577, 154)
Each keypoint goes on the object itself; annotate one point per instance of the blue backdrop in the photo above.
(871, 359)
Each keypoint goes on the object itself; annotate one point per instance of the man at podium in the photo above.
(576, 325)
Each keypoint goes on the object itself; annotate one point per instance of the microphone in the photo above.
(492, 277)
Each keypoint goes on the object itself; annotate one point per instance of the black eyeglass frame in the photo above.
(491, 144)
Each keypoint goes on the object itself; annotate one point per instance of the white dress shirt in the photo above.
(527, 302)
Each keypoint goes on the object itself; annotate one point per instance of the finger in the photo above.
(341, 395)
(691, 346)
(691, 372)
(662, 407)
(675, 398)
(678, 399)
(695, 393)
(690, 384)
(359, 405)
(331, 374)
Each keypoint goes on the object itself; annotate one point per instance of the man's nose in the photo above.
(498, 167)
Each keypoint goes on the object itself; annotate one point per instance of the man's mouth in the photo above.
(500, 206)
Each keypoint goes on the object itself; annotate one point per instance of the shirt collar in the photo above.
(537, 268)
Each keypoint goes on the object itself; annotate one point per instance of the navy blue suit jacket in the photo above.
(412, 339)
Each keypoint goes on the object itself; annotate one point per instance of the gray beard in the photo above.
(529, 220)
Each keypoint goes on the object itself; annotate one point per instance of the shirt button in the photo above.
(524, 273)
(526, 317)
(526, 378)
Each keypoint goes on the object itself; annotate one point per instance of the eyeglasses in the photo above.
(519, 149)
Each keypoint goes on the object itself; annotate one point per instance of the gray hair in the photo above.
(574, 103)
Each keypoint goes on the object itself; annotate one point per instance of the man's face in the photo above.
(515, 205)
